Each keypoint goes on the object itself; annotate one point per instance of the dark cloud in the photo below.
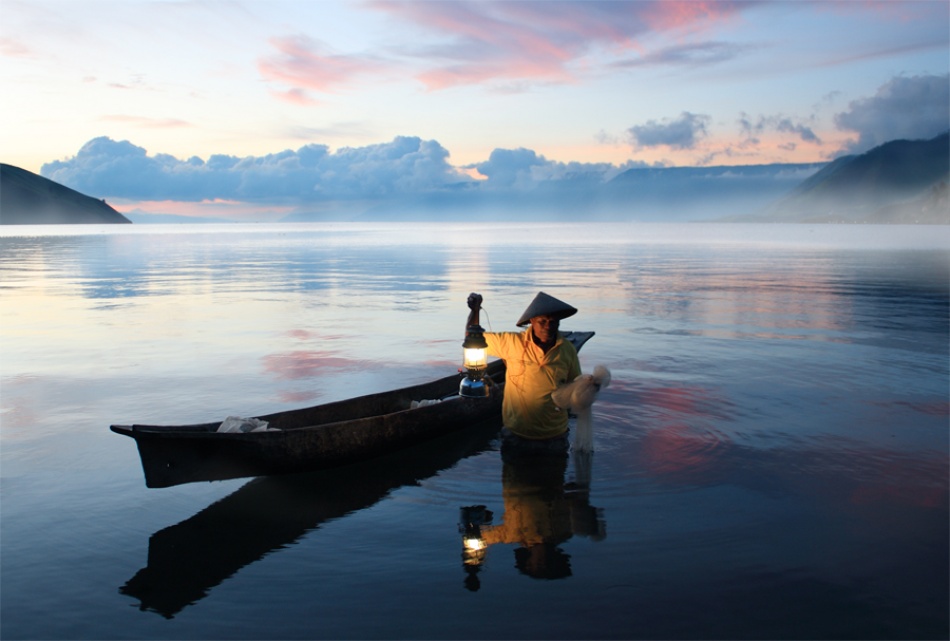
(110, 168)
(699, 54)
(752, 129)
(802, 131)
(904, 108)
(681, 133)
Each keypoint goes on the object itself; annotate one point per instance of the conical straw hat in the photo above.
(544, 305)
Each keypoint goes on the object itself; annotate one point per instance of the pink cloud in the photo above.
(666, 16)
(302, 63)
(490, 44)
(14, 48)
(478, 42)
(296, 96)
(537, 41)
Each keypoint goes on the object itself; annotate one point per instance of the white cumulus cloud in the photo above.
(119, 169)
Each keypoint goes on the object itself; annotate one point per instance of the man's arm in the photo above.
(474, 305)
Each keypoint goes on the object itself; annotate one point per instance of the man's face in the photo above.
(545, 328)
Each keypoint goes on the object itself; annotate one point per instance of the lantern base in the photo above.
(473, 389)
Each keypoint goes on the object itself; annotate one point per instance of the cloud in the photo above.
(523, 169)
(303, 64)
(751, 130)
(506, 41)
(296, 96)
(510, 167)
(14, 48)
(695, 55)
(911, 108)
(507, 45)
(681, 133)
(487, 41)
(406, 165)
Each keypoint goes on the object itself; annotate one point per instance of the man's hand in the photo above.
(474, 301)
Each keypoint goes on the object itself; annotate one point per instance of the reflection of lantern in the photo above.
(475, 362)
(473, 543)
(474, 548)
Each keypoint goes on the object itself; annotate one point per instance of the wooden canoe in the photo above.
(318, 437)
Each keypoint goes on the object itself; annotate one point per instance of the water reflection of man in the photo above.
(537, 361)
(541, 513)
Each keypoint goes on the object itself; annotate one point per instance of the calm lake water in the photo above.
(771, 457)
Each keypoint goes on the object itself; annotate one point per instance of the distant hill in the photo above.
(29, 199)
(661, 194)
(703, 193)
(902, 181)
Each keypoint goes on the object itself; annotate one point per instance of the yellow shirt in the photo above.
(532, 375)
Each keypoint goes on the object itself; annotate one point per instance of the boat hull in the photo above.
(318, 437)
(172, 458)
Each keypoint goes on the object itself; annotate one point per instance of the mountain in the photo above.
(703, 193)
(29, 199)
(902, 181)
(656, 194)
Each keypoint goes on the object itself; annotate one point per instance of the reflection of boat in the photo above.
(188, 559)
(316, 437)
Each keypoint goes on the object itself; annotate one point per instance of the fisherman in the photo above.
(538, 360)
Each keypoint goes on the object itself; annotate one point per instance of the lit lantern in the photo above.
(475, 361)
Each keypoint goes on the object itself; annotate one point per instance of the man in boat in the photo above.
(538, 360)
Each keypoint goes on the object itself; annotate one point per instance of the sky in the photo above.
(211, 105)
